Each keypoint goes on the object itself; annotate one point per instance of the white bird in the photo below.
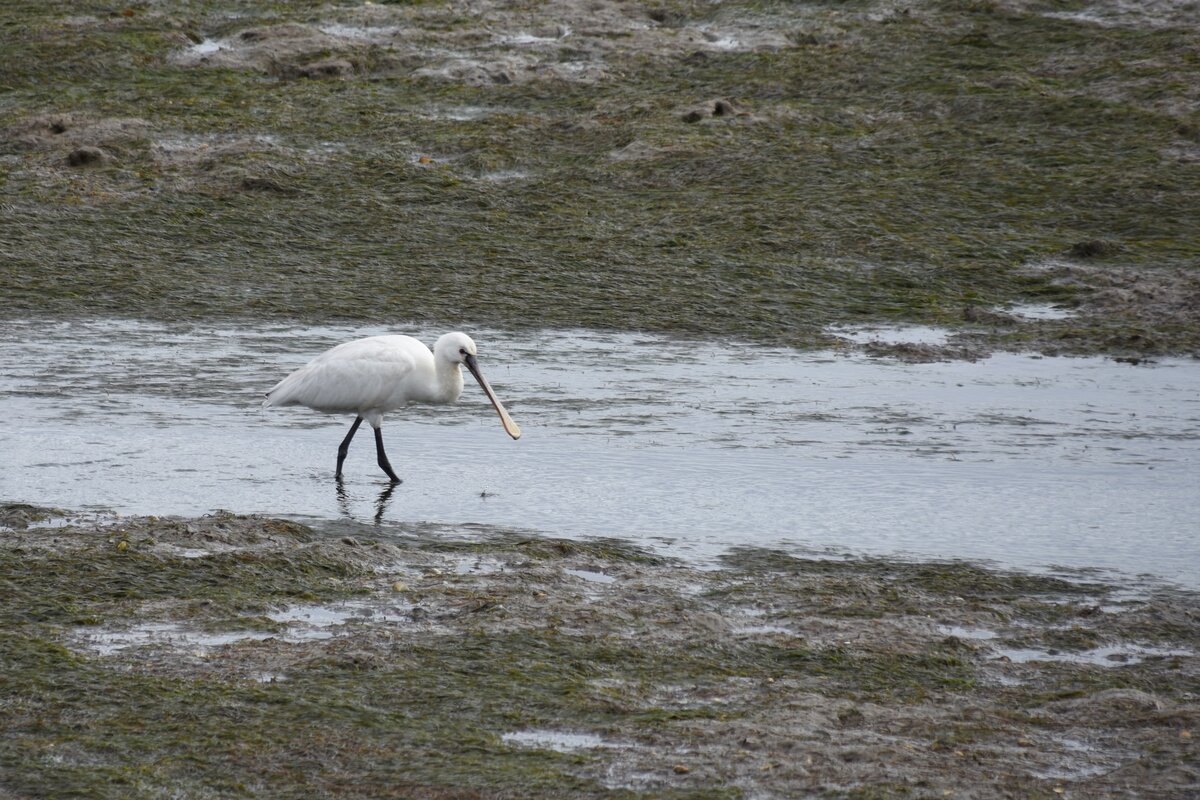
(370, 377)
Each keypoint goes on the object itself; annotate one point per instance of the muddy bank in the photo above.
(724, 169)
(241, 656)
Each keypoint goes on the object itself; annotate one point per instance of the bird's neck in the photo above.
(448, 385)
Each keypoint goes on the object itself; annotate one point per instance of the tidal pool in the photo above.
(686, 446)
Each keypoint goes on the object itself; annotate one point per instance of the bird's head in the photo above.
(456, 348)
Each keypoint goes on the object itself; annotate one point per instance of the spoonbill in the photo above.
(372, 376)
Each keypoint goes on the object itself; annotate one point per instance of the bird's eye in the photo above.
(462, 350)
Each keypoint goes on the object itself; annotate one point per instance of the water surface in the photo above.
(685, 446)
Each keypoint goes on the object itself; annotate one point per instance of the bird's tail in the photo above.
(274, 397)
(285, 392)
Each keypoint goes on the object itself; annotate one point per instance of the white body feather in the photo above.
(370, 377)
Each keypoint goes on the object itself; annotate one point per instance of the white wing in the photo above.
(367, 374)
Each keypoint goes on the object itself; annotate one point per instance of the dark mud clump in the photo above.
(19, 516)
(1125, 312)
(227, 654)
(1094, 248)
(86, 156)
(923, 353)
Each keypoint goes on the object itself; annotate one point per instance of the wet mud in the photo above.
(240, 655)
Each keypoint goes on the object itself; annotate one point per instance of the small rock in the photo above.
(86, 156)
(680, 769)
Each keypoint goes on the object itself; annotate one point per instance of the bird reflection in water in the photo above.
(381, 502)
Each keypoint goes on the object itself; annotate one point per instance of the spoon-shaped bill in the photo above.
(509, 425)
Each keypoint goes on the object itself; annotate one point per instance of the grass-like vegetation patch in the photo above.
(151, 656)
(880, 166)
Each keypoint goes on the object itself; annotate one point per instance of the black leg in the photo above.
(383, 462)
(345, 446)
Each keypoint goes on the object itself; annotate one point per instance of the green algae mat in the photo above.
(753, 169)
(233, 656)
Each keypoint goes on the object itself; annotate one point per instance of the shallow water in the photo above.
(555, 740)
(1104, 656)
(686, 446)
(304, 622)
(1109, 656)
(163, 634)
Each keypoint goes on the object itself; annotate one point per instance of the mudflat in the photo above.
(244, 656)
